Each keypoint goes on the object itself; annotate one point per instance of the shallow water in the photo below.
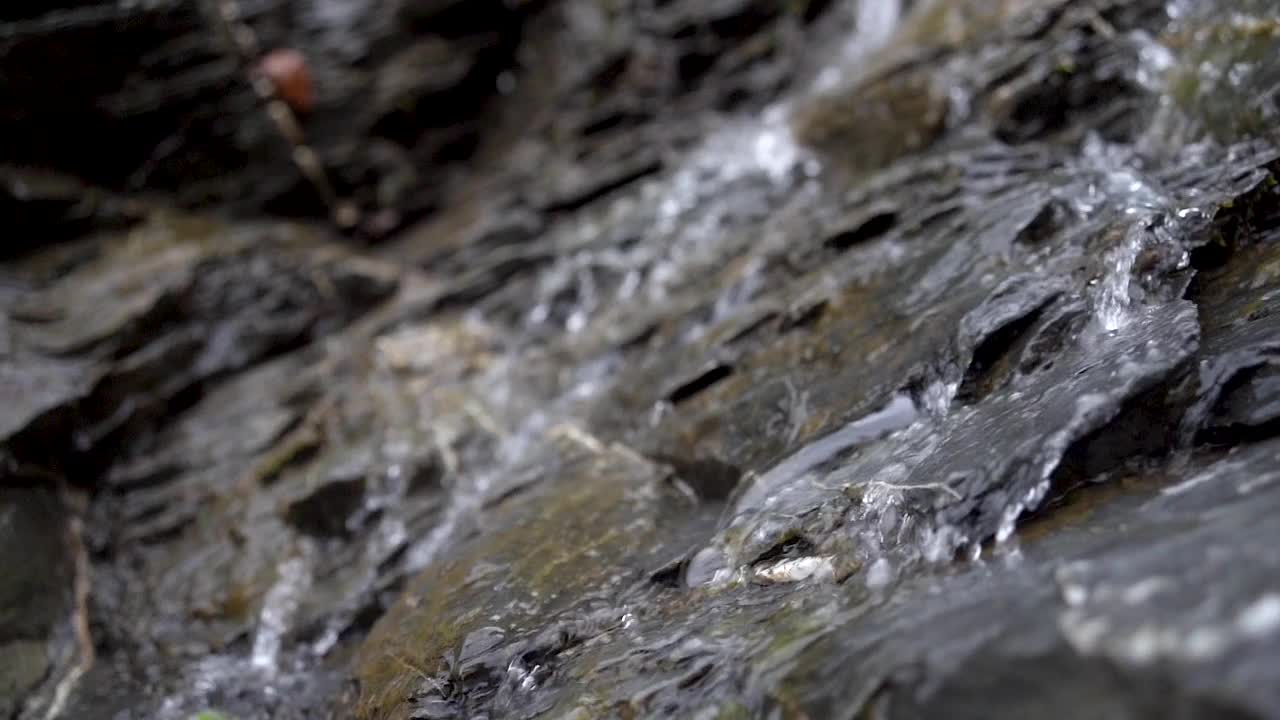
(851, 405)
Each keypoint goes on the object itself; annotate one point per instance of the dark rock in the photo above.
(867, 126)
(43, 638)
(159, 313)
(982, 478)
(867, 225)
(35, 389)
(538, 565)
(38, 207)
(993, 333)
(1237, 370)
(328, 510)
(187, 123)
(1254, 402)
(57, 116)
(421, 73)
(610, 167)
(1113, 618)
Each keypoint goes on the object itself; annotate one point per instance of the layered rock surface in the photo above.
(798, 360)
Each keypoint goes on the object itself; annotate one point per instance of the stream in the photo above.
(850, 359)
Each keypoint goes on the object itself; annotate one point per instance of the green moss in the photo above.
(606, 517)
(22, 666)
(733, 711)
(1224, 68)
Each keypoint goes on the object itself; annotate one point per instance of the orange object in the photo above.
(287, 70)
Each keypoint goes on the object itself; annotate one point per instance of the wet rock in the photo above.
(992, 333)
(188, 123)
(854, 459)
(1237, 368)
(40, 207)
(495, 232)
(1105, 608)
(418, 74)
(570, 540)
(158, 312)
(981, 486)
(327, 511)
(43, 638)
(40, 109)
(26, 664)
(862, 127)
(673, 415)
(1253, 403)
(35, 389)
(425, 11)
(611, 167)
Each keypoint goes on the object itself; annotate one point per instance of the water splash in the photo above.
(1113, 301)
(1117, 183)
(874, 24)
(787, 475)
(691, 216)
(1012, 512)
(880, 575)
(937, 398)
(279, 608)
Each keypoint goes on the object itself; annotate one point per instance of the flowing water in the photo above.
(940, 384)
